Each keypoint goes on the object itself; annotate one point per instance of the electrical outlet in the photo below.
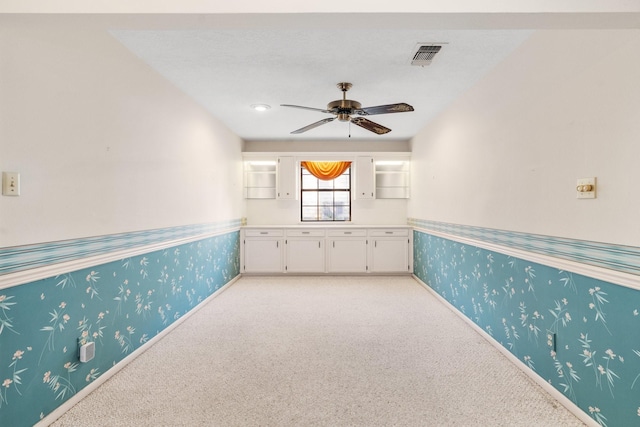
(87, 352)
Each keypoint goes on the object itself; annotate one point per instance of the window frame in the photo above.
(304, 172)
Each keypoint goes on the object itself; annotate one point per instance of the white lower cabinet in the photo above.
(389, 249)
(347, 251)
(305, 251)
(262, 251)
(326, 250)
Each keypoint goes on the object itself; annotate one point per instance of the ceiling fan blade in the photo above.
(369, 125)
(307, 108)
(385, 109)
(314, 125)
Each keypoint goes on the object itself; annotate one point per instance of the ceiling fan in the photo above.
(344, 109)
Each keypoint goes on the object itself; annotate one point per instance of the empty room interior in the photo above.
(294, 164)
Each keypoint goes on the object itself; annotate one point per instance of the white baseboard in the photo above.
(60, 410)
(555, 393)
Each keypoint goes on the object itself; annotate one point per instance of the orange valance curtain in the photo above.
(326, 170)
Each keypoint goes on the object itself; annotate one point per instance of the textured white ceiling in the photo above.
(227, 62)
(229, 70)
(229, 55)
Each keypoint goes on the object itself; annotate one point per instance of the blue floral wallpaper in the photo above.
(580, 334)
(119, 306)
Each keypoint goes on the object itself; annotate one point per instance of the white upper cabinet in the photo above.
(392, 179)
(365, 187)
(260, 179)
(286, 178)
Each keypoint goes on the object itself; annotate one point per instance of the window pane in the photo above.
(325, 184)
(326, 213)
(325, 198)
(309, 198)
(341, 182)
(342, 213)
(310, 213)
(342, 198)
(309, 182)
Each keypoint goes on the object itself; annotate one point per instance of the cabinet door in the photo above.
(364, 178)
(390, 255)
(286, 178)
(305, 255)
(263, 255)
(347, 255)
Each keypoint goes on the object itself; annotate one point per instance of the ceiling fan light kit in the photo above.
(344, 109)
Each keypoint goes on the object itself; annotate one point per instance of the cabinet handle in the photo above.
(306, 232)
(277, 244)
(319, 247)
(388, 232)
(264, 232)
(348, 232)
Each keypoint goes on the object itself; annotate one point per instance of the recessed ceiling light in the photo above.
(260, 107)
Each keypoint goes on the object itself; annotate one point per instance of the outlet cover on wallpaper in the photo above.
(87, 352)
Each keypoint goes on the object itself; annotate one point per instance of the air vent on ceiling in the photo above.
(424, 55)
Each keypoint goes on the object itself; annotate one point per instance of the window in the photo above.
(325, 200)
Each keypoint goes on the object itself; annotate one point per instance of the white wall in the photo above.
(506, 155)
(363, 212)
(103, 144)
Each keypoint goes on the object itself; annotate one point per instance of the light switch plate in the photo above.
(586, 194)
(10, 184)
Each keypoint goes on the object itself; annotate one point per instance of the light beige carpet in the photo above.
(321, 351)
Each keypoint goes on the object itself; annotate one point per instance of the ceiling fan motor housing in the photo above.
(344, 108)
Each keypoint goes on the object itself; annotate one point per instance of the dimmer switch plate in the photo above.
(583, 183)
(10, 184)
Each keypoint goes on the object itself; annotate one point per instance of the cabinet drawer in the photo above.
(305, 233)
(264, 233)
(346, 233)
(389, 232)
